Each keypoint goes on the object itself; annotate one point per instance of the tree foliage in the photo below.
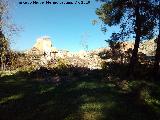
(135, 18)
(157, 55)
(7, 29)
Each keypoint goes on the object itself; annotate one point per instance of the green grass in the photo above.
(87, 98)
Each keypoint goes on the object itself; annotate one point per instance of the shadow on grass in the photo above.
(141, 71)
(84, 98)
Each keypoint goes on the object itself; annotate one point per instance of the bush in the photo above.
(104, 65)
(61, 63)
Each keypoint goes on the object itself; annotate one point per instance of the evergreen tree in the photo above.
(157, 55)
(134, 17)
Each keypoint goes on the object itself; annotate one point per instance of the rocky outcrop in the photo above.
(42, 45)
(90, 59)
(43, 51)
(125, 46)
(148, 47)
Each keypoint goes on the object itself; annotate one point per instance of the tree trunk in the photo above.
(1, 61)
(1, 46)
(157, 57)
(134, 57)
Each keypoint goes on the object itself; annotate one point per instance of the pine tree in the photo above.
(157, 55)
(134, 17)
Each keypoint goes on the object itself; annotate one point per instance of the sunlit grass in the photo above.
(11, 98)
(93, 115)
(7, 73)
(45, 90)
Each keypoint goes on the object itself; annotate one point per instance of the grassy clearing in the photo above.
(86, 98)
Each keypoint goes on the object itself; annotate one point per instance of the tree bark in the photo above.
(134, 57)
(157, 56)
(1, 45)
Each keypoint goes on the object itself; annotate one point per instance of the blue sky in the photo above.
(67, 25)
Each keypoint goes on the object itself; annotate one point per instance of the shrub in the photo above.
(104, 65)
